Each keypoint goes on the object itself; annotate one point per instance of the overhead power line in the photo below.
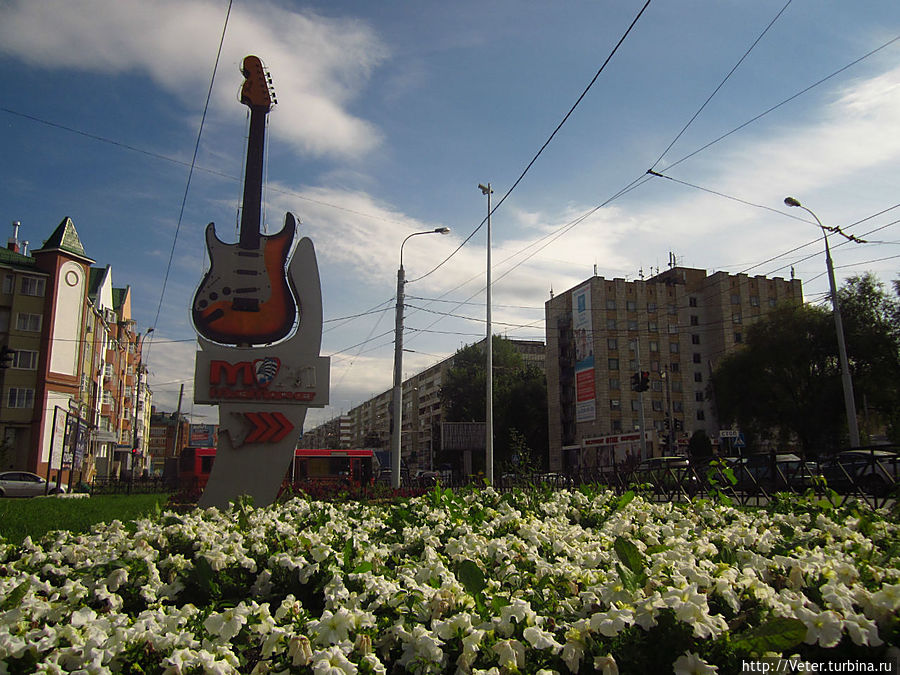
(544, 146)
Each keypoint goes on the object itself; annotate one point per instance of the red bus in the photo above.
(357, 467)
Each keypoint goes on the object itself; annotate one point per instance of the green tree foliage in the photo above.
(785, 383)
(520, 401)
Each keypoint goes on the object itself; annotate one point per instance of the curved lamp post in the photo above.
(849, 401)
(489, 350)
(397, 403)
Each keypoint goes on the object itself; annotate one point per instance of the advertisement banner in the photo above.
(582, 327)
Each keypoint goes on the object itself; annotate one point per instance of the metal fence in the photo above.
(121, 486)
(869, 474)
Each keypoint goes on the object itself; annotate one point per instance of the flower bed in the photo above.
(528, 581)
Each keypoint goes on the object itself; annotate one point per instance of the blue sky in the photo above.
(391, 113)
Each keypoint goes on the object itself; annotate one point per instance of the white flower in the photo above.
(332, 661)
(226, 624)
(541, 639)
(823, 627)
(511, 654)
(690, 663)
(333, 627)
(612, 622)
(606, 665)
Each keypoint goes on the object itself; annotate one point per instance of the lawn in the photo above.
(36, 516)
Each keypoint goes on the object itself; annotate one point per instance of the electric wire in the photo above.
(190, 173)
(544, 146)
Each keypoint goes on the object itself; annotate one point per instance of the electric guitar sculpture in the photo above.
(246, 296)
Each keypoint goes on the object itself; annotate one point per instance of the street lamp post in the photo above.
(849, 401)
(138, 398)
(397, 402)
(489, 366)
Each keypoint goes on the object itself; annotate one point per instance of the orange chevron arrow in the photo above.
(267, 427)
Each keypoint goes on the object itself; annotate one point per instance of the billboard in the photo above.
(582, 327)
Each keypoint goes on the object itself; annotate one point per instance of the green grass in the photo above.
(38, 515)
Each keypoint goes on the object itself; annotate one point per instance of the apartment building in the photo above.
(73, 390)
(675, 327)
(368, 425)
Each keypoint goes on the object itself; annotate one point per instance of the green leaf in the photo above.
(471, 577)
(629, 554)
(776, 635)
(362, 568)
(15, 598)
(625, 500)
(206, 576)
(348, 553)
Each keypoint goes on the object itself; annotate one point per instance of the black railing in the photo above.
(121, 486)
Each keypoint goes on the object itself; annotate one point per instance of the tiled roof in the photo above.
(65, 238)
(9, 257)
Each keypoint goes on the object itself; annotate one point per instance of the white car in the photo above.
(25, 484)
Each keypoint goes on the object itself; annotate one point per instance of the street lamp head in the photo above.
(442, 230)
(790, 201)
(485, 189)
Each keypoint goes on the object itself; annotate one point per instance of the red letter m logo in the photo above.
(231, 372)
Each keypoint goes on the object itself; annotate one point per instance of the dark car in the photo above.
(774, 472)
(869, 471)
(25, 484)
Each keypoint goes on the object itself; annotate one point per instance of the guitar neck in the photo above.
(249, 235)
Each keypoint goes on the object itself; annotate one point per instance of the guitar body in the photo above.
(246, 297)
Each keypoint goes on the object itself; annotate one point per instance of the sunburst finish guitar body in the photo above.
(246, 297)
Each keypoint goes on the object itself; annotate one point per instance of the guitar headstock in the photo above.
(257, 91)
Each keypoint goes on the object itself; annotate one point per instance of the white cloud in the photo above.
(318, 64)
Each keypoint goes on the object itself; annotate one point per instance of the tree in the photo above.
(520, 400)
(785, 383)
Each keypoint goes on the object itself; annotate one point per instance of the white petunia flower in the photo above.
(606, 665)
(332, 661)
(541, 639)
(690, 663)
(510, 653)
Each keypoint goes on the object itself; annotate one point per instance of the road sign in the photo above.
(740, 442)
(728, 433)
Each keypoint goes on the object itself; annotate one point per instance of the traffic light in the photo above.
(667, 422)
(679, 425)
(645, 381)
(6, 357)
(636, 382)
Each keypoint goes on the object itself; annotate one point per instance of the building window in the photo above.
(107, 397)
(657, 405)
(692, 301)
(735, 299)
(695, 339)
(736, 317)
(673, 347)
(635, 405)
(674, 367)
(631, 305)
(738, 337)
(701, 415)
(697, 358)
(613, 364)
(610, 303)
(677, 406)
(20, 397)
(754, 301)
(616, 426)
(614, 404)
(33, 286)
(654, 366)
(654, 346)
(695, 320)
(698, 377)
(612, 343)
(653, 327)
(632, 324)
(656, 385)
(25, 359)
(614, 384)
(673, 308)
(633, 364)
(773, 302)
(9, 283)
(610, 324)
(698, 395)
(28, 322)
(676, 386)
(651, 306)
(4, 319)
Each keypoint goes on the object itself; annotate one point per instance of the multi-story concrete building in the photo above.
(675, 327)
(368, 425)
(72, 386)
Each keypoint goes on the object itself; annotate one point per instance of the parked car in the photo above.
(781, 471)
(871, 471)
(25, 484)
